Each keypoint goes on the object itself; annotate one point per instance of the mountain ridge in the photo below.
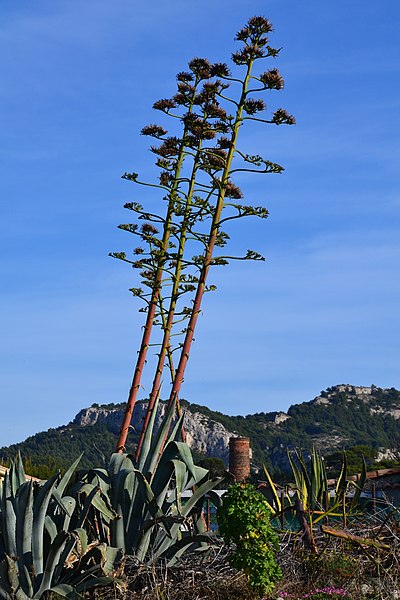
(342, 416)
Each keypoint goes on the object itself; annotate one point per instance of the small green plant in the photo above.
(244, 520)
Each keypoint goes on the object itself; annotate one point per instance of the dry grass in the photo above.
(365, 570)
(196, 578)
(367, 564)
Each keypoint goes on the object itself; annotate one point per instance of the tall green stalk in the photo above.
(169, 319)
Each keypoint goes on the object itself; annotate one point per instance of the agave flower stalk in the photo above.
(152, 306)
(177, 279)
(207, 190)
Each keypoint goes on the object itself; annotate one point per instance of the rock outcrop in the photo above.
(203, 434)
(369, 395)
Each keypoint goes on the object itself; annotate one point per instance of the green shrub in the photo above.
(244, 520)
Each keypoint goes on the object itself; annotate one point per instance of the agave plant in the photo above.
(311, 499)
(310, 487)
(65, 538)
(148, 494)
(44, 545)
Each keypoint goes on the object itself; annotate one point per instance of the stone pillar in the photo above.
(239, 458)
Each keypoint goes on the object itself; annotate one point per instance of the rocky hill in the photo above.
(343, 416)
(205, 435)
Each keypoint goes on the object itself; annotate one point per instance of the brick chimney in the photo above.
(239, 458)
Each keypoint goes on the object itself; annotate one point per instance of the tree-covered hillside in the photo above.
(54, 449)
(341, 417)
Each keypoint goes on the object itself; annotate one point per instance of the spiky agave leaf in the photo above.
(40, 505)
(341, 485)
(272, 487)
(306, 477)
(145, 449)
(315, 479)
(8, 518)
(66, 478)
(24, 531)
(159, 441)
(300, 483)
(198, 542)
(359, 485)
(193, 505)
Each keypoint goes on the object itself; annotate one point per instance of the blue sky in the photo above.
(78, 82)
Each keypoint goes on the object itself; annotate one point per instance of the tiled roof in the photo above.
(3, 471)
